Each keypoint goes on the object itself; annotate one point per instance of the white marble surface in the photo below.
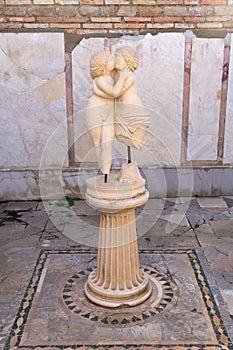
(205, 91)
(161, 61)
(161, 182)
(33, 107)
(228, 141)
(32, 98)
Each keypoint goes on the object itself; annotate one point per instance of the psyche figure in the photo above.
(131, 119)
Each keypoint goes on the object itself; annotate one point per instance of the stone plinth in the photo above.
(117, 279)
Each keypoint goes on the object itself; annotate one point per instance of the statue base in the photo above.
(118, 279)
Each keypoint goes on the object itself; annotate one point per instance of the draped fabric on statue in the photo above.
(131, 122)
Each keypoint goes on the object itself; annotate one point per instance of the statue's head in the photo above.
(100, 62)
(129, 56)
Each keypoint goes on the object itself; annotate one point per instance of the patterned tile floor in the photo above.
(187, 243)
(55, 313)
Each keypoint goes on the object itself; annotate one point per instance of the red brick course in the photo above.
(115, 16)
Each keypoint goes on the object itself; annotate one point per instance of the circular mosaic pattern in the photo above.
(76, 301)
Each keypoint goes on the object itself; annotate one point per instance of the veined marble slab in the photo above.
(205, 94)
(32, 98)
(228, 141)
(160, 86)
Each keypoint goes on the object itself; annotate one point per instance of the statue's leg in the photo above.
(96, 139)
(94, 124)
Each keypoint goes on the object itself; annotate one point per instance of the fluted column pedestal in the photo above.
(117, 279)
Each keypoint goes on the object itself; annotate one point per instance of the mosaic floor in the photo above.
(55, 314)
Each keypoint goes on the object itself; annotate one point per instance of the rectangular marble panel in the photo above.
(205, 95)
(160, 87)
(228, 141)
(32, 99)
(161, 182)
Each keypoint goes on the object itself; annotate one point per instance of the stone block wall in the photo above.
(185, 79)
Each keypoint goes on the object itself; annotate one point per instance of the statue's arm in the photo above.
(114, 91)
(128, 83)
(99, 92)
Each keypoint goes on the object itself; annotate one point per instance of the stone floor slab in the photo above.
(211, 202)
(76, 228)
(229, 201)
(21, 205)
(223, 229)
(228, 297)
(55, 314)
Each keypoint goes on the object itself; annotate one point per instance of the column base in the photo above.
(115, 298)
(117, 279)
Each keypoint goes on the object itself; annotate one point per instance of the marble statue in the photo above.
(131, 118)
(100, 109)
(118, 279)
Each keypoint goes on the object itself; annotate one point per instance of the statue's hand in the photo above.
(125, 73)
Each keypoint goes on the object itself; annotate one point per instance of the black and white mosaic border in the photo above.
(17, 330)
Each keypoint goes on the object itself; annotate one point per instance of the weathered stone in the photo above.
(229, 201)
(107, 11)
(46, 11)
(18, 2)
(37, 219)
(161, 227)
(208, 202)
(30, 63)
(201, 11)
(51, 229)
(223, 229)
(19, 186)
(127, 11)
(205, 229)
(150, 11)
(21, 206)
(205, 85)
(13, 231)
(175, 11)
(228, 140)
(89, 10)
(230, 258)
(67, 2)
(44, 2)
(217, 259)
(81, 208)
(21, 255)
(228, 298)
(223, 10)
(67, 11)
(14, 10)
(197, 217)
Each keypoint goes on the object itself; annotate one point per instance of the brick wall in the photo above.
(86, 17)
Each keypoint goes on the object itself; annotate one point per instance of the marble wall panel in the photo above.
(162, 182)
(32, 98)
(205, 95)
(160, 86)
(228, 141)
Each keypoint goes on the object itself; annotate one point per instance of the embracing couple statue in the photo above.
(115, 108)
